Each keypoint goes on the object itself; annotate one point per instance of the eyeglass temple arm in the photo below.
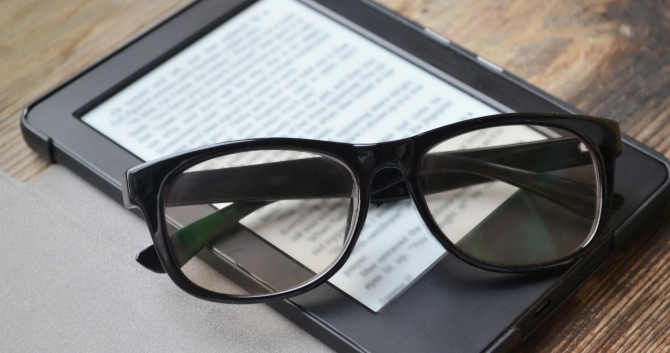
(540, 156)
(544, 156)
(512, 164)
(317, 178)
(190, 240)
(290, 180)
(206, 231)
(578, 197)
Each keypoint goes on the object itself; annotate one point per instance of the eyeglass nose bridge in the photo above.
(393, 154)
(387, 166)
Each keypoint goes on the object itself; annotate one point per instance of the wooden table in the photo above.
(608, 58)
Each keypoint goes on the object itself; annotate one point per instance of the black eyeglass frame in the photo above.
(145, 186)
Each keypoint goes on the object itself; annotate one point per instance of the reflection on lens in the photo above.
(259, 222)
(513, 195)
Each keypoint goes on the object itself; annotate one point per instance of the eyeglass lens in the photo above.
(535, 190)
(248, 223)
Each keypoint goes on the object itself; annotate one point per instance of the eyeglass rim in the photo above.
(431, 223)
(589, 129)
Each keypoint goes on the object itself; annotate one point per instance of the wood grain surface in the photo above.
(609, 58)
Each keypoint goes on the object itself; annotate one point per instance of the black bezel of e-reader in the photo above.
(454, 306)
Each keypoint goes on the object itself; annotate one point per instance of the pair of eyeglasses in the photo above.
(265, 219)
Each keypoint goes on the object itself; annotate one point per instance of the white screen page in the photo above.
(281, 68)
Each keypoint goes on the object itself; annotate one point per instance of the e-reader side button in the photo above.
(489, 64)
(436, 36)
(575, 278)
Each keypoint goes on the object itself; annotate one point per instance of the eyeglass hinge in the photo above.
(149, 259)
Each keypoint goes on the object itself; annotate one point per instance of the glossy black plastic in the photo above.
(145, 185)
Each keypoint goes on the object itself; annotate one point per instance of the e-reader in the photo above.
(339, 70)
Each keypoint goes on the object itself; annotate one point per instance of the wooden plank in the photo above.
(607, 57)
(43, 43)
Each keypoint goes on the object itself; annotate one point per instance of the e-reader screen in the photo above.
(288, 68)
